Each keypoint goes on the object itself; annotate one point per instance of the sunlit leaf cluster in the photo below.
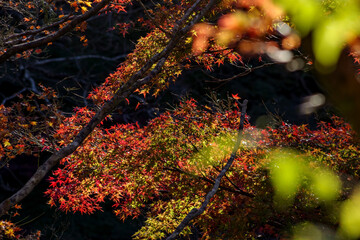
(163, 169)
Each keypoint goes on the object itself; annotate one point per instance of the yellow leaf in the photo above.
(7, 143)
(87, 3)
(83, 9)
(9, 233)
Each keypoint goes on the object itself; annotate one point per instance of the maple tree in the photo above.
(171, 168)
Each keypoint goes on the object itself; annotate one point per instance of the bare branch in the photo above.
(50, 38)
(13, 96)
(33, 32)
(196, 212)
(62, 59)
(247, 71)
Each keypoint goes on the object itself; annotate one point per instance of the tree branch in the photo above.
(76, 58)
(13, 96)
(50, 38)
(137, 80)
(247, 71)
(8, 40)
(196, 212)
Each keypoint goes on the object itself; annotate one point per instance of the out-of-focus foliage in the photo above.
(290, 171)
(350, 216)
(332, 25)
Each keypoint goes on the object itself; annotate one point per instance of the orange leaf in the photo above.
(17, 206)
(137, 106)
(235, 96)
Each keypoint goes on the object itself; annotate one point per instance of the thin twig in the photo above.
(63, 59)
(247, 71)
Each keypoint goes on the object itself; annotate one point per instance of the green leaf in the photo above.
(350, 216)
(329, 39)
(326, 185)
(305, 14)
(286, 173)
(308, 231)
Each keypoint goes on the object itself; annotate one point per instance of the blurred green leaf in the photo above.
(303, 13)
(289, 171)
(307, 231)
(325, 185)
(350, 216)
(286, 173)
(328, 42)
(306, 16)
(333, 24)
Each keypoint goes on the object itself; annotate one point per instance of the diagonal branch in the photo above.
(50, 38)
(137, 80)
(247, 71)
(19, 36)
(196, 212)
(77, 58)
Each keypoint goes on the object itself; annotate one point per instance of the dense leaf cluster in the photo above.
(165, 168)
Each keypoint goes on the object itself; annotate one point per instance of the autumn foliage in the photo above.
(164, 169)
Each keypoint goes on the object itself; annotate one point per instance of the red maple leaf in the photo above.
(235, 96)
